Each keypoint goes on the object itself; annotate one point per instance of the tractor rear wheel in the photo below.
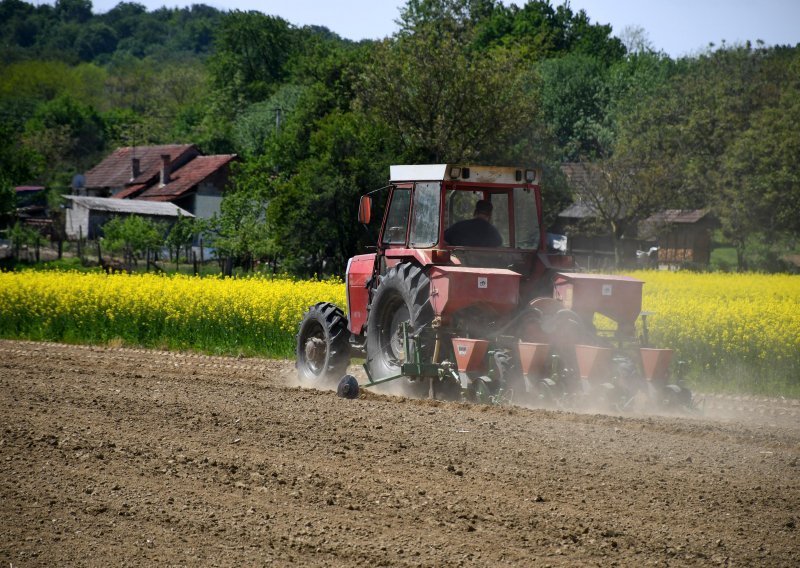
(403, 295)
(323, 347)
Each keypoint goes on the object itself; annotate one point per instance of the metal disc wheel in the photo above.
(323, 348)
(480, 392)
(402, 296)
(348, 387)
(675, 396)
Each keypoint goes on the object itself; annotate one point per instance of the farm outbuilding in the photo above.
(87, 215)
(683, 236)
(174, 173)
(591, 247)
(196, 187)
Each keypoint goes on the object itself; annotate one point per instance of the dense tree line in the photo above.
(318, 119)
(68, 31)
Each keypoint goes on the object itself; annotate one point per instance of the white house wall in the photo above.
(77, 221)
(207, 201)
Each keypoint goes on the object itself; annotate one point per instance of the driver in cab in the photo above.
(475, 232)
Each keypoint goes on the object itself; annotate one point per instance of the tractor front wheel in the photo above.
(323, 348)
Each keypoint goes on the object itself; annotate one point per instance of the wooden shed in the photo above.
(683, 236)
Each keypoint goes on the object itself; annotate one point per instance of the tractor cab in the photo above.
(459, 224)
(475, 216)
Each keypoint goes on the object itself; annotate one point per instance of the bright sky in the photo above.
(678, 27)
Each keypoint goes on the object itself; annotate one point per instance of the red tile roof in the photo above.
(187, 177)
(129, 191)
(115, 170)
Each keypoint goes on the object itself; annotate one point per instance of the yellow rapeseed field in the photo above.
(221, 315)
(735, 331)
(740, 331)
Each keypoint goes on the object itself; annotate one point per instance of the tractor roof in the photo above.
(453, 172)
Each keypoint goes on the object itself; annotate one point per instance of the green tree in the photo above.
(448, 15)
(181, 235)
(125, 17)
(260, 121)
(68, 134)
(74, 10)
(310, 172)
(55, 201)
(94, 40)
(574, 100)
(18, 165)
(697, 137)
(447, 104)
(583, 37)
(239, 233)
(18, 30)
(33, 82)
(538, 31)
(8, 202)
(252, 50)
(21, 236)
(312, 211)
(759, 201)
(612, 188)
(133, 235)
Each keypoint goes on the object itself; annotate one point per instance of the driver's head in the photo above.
(483, 208)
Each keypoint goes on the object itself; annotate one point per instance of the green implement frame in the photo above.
(415, 370)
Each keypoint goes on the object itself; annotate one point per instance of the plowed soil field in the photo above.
(144, 458)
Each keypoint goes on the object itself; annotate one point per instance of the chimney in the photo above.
(165, 169)
(135, 168)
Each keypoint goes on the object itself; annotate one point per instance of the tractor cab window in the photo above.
(526, 219)
(460, 206)
(500, 218)
(397, 217)
(425, 223)
(461, 211)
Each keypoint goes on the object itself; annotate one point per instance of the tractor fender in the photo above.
(359, 273)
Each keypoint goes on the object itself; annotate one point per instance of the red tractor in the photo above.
(462, 300)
